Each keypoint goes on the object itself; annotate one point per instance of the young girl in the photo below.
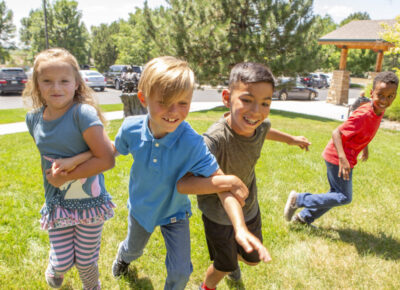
(67, 128)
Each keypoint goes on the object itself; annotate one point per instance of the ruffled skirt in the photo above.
(60, 217)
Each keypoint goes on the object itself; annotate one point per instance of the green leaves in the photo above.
(65, 29)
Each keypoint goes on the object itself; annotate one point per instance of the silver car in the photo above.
(93, 79)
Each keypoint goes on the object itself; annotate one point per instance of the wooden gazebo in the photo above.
(357, 34)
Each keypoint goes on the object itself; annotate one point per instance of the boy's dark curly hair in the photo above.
(386, 77)
(250, 72)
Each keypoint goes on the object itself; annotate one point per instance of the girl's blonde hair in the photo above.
(83, 94)
(169, 76)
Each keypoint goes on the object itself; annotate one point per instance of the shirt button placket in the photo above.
(156, 155)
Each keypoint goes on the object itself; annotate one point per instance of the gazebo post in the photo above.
(343, 58)
(379, 60)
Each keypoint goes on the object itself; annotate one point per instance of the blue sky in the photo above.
(106, 11)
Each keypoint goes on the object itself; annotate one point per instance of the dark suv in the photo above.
(113, 74)
(12, 80)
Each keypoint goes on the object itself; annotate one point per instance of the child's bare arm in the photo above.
(364, 154)
(228, 194)
(344, 165)
(217, 182)
(102, 158)
(276, 135)
(64, 165)
(247, 240)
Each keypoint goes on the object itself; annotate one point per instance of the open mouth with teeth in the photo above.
(170, 120)
(250, 121)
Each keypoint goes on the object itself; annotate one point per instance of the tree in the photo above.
(7, 29)
(134, 47)
(103, 47)
(215, 35)
(328, 56)
(65, 29)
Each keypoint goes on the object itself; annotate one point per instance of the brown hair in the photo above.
(169, 76)
(83, 94)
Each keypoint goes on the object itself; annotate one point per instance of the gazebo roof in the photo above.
(363, 34)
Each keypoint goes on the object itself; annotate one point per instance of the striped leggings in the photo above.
(77, 245)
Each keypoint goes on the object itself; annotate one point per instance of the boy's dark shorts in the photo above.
(222, 246)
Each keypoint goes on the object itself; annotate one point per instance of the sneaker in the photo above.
(291, 205)
(297, 219)
(119, 268)
(54, 281)
(235, 275)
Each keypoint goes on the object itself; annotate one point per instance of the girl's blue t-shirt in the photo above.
(62, 138)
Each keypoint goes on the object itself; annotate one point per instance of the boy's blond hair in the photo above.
(168, 76)
(83, 94)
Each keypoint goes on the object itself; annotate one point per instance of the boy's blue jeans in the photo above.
(177, 241)
(315, 205)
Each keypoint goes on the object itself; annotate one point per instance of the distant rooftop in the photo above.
(359, 34)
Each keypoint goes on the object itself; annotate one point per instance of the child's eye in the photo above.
(183, 103)
(246, 101)
(266, 105)
(65, 81)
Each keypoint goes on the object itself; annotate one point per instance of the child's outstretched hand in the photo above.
(249, 242)
(301, 141)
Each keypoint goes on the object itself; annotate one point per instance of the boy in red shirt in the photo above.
(348, 140)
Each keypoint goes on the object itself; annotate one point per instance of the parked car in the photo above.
(312, 80)
(293, 89)
(326, 79)
(93, 79)
(12, 80)
(113, 74)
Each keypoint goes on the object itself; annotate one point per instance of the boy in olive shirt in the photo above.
(236, 141)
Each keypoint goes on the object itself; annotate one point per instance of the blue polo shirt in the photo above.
(157, 167)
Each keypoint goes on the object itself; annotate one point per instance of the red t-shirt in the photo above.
(357, 131)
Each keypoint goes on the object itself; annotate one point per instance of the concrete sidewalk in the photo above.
(21, 126)
(314, 108)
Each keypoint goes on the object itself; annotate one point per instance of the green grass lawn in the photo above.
(356, 246)
(18, 115)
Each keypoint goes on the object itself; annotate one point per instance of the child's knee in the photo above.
(346, 199)
(62, 268)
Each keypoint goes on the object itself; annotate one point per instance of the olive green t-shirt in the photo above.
(236, 155)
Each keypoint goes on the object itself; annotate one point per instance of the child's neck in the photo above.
(50, 114)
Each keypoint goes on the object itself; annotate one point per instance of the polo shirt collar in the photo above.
(168, 140)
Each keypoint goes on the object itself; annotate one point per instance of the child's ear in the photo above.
(226, 98)
(142, 99)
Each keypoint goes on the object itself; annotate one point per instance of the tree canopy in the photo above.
(7, 29)
(65, 29)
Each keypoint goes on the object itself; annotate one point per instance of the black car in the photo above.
(12, 80)
(292, 89)
(113, 74)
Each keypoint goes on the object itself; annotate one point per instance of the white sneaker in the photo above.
(291, 205)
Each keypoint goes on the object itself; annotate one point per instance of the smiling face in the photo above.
(57, 85)
(249, 105)
(165, 118)
(383, 96)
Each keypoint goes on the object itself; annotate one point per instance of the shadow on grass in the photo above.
(137, 283)
(382, 245)
(285, 114)
(239, 285)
